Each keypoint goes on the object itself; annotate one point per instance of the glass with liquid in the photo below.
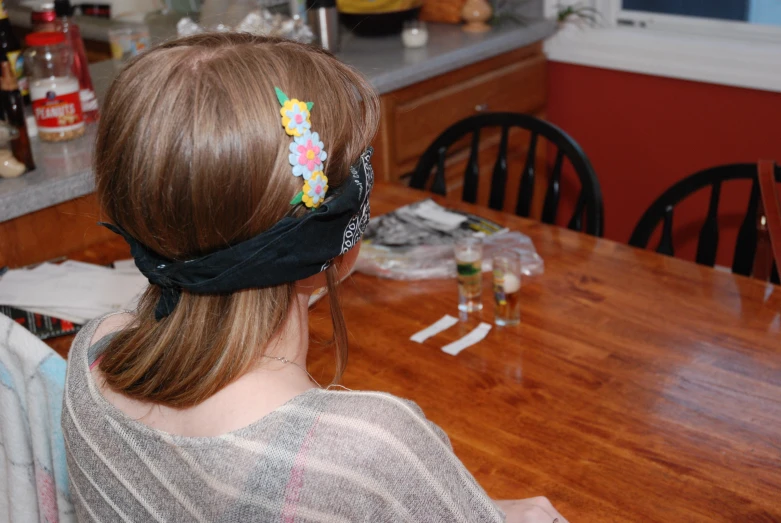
(507, 288)
(469, 266)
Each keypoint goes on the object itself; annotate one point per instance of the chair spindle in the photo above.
(523, 208)
(709, 234)
(746, 244)
(666, 241)
(439, 186)
(499, 179)
(472, 170)
(551, 206)
(576, 222)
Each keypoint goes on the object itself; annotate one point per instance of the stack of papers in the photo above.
(73, 291)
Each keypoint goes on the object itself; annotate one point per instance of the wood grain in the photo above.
(427, 115)
(638, 388)
(51, 232)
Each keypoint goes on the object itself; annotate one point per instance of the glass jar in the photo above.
(66, 25)
(54, 90)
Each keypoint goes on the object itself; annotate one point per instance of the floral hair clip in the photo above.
(306, 150)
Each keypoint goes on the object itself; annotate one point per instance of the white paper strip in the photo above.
(445, 322)
(477, 334)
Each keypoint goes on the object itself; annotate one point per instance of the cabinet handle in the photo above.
(481, 108)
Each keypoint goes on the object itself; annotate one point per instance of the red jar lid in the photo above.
(45, 38)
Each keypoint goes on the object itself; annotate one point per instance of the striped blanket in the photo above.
(33, 470)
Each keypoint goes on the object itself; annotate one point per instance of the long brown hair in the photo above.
(191, 157)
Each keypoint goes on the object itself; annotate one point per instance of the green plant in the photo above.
(577, 12)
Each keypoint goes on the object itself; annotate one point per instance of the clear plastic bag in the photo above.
(429, 262)
(259, 17)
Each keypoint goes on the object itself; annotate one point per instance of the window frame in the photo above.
(698, 25)
(723, 52)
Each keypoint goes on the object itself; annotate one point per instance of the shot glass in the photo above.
(469, 265)
(507, 288)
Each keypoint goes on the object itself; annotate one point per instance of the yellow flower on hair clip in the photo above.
(314, 190)
(295, 114)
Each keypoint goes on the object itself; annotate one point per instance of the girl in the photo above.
(237, 169)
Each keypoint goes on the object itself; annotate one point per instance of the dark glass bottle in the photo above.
(12, 106)
(10, 50)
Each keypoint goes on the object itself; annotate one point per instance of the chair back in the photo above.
(662, 210)
(588, 215)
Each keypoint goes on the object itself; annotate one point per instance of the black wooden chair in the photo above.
(661, 211)
(589, 203)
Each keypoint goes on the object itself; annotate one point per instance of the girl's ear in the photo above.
(344, 263)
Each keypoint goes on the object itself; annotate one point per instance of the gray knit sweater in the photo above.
(323, 456)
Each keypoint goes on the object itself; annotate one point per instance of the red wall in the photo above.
(642, 133)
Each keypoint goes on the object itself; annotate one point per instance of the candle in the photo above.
(414, 34)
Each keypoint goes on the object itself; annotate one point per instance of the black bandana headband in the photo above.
(291, 250)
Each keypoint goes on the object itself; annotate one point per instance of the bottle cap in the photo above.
(43, 16)
(317, 4)
(44, 38)
(63, 8)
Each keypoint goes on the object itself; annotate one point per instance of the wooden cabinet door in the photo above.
(414, 116)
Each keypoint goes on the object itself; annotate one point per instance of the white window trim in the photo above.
(700, 53)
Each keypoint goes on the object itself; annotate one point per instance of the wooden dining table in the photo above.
(637, 388)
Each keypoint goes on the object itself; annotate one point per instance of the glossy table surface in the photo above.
(637, 387)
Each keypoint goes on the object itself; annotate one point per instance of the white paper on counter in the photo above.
(126, 266)
(74, 291)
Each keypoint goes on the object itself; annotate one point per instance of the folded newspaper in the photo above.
(415, 242)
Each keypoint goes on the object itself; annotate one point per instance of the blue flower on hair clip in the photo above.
(307, 155)
(314, 190)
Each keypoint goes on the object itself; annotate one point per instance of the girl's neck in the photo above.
(262, 390)
(291, 342)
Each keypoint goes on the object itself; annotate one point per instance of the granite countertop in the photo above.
(64, 172)
(390, 66)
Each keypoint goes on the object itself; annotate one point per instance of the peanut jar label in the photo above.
(58, 112)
